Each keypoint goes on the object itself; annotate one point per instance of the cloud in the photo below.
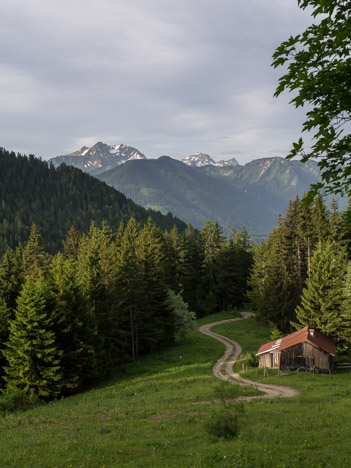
(173, 75)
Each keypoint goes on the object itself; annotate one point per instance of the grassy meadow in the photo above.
(149, 416)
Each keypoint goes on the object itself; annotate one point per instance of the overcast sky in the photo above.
(168, 77)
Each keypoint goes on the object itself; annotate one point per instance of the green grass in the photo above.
(147, 416)
(311, 430)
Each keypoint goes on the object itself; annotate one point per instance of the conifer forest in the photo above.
(108, 297)
(301, 274)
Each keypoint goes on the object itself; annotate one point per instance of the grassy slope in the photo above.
(146, 417)
(312, 430)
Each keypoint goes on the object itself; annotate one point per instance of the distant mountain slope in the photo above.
(169, 185)
(98, 158)
(278, 176)
(56, 199)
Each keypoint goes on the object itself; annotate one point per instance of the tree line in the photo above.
(109, 296)
(301, 275)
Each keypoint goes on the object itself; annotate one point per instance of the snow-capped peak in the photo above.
(201, 159)
(100, 157)
(198, 160)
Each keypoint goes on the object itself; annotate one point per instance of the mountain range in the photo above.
(99, 158)
(198, 188)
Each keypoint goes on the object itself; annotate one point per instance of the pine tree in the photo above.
(320, 220)
(212, 240)
(277, 292)
(71, 243)
(35, 260)
(236, 259)
(323, 296)
(172, 260)
(11, 280)
(345, 329)
(75, 327)
(156, 324)
(97, 260)
(130, 286)
(190, 270)
(33, 359)
(256, 286)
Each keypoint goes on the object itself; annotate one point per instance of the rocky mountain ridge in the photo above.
(99, 158)
(202, 159)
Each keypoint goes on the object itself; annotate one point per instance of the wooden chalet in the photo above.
(305, 348)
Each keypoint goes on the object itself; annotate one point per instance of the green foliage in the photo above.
(282, 264)
(32, 356)
(276, 333)
(253, 360)
(183, 319)
(322, 299)
(69, 319)
(318, 71)
(17, 400)
(226, 420)
(75, 327)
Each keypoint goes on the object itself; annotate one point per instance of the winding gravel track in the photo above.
(233, 350)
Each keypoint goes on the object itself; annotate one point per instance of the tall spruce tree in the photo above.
(257, 278)
(130, 282)
(75, 327)
(345, 329)
(11, 280)
(156, 323)
(97, 261)
(191, 274)
(35, 259)
(277, 291)
(323, 296)
(172, 260)
(33, 359)
(213, 243)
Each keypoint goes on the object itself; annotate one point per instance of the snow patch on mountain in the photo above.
(99, 158)
(201, 159)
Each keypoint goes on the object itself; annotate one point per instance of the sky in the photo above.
(168, 77)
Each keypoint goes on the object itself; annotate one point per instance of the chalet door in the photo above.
(275, 360)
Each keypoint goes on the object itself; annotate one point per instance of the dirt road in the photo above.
(223, 368)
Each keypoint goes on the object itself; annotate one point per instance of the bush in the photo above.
(226, 421)
(184, 320)
(17, 400)
(226, 392)
(253, 360)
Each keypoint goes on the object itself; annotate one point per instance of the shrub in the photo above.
(226, 420)
(253, 360)
(226, 392)
(184, 320)
(17, 400)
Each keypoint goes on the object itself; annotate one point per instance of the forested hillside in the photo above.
(302, 274)
(71, 318)
(55, 199)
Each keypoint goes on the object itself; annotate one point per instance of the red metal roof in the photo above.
(305, 334)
